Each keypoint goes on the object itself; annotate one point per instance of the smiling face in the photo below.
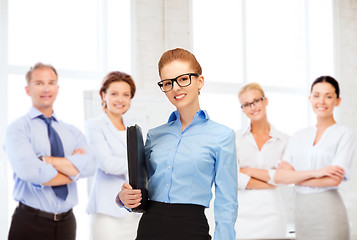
(43, 89)
(323, 99)
(117, 97)
(183, 98)
(255, 109)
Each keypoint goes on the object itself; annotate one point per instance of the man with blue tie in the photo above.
(47, 156)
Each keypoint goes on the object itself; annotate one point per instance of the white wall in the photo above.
(345, 13)
(158, 25)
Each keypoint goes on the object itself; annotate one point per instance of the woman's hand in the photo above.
(245, 171)
(129, 196)
(335, 172)
(283, 165)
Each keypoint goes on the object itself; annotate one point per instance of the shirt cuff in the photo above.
(271, 173)
(121, 204)
(75, 178)
(243, 180)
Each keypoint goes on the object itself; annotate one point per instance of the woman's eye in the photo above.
(168, 83)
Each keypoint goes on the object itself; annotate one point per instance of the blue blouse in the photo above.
(183, 165)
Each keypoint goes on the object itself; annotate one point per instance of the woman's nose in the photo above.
(175, 86)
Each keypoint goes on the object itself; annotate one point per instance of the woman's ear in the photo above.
(103, 96)
(104, 102)
(266, 101)
(201, 82)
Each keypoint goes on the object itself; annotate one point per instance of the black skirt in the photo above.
(166, 221)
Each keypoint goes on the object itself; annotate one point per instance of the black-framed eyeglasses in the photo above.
(255, 102)
(183, 80)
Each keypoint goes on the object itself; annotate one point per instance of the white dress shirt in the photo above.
(336, 147)
(250, 156)
(261, 212)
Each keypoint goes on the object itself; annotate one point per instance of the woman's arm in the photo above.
(259, 178)
(107, 161)
(257, 173)
(258, 184)
(322, 182)
(283, 176)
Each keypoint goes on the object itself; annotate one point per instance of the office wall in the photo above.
(345, 13)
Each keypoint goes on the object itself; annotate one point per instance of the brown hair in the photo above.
(179, 54)
(39, 66)
(251, 86)
(116, 76)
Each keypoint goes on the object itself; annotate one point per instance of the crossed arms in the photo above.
(286, 174)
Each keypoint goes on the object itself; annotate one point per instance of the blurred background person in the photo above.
(106, 135)
(260, 147)
(328, 147)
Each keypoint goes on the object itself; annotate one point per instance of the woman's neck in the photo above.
(116, 119)
(261, 127)
(187, 115)
(323, 123)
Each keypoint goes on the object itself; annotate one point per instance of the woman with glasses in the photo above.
(260, 148)
(319, 211)
(184, 158)
(106, 134)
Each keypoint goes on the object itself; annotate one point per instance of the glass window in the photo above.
(281, 44)
(287, 112)
(119, 31)
(217, 39)
(224, 109)
(320, 31)
(275, 42)
(60, 32)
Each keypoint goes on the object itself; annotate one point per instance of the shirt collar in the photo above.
(108, 121)
(201, 114)
(273, 132)
(34, 113)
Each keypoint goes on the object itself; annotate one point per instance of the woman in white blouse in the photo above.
(260, 148)
(106, 135)
(328, 146)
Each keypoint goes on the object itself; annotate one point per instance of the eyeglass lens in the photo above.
(256, 101)
(182, 81)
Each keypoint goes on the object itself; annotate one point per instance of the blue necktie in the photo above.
(56, 151)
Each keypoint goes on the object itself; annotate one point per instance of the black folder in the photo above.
(136, 164)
